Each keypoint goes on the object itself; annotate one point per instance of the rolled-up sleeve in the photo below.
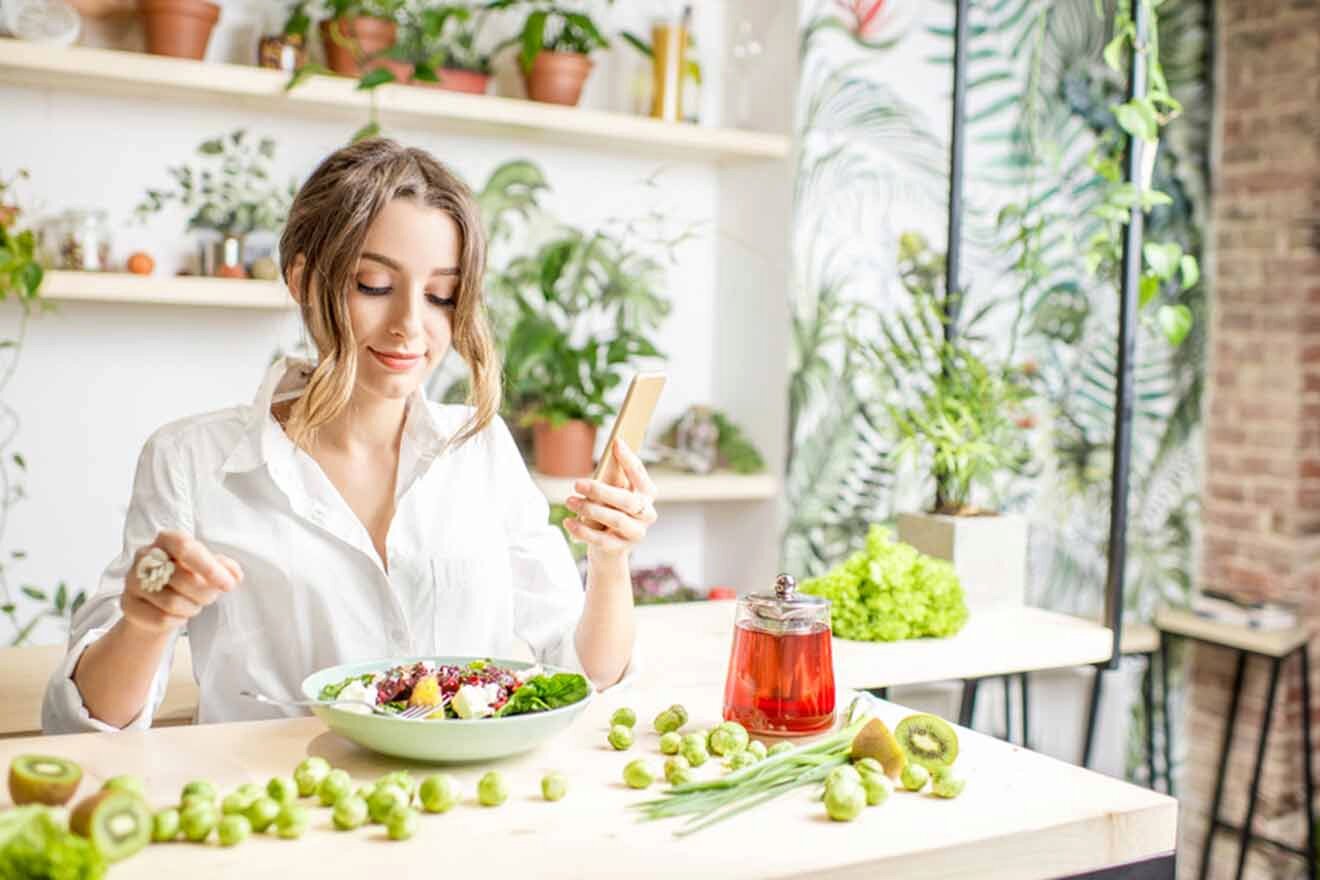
(160, 501)
(548, 594)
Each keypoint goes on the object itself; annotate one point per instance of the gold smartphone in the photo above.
(633, 419)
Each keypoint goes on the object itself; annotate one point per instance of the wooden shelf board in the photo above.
(179, 290)
(677, 487)
(107, 71)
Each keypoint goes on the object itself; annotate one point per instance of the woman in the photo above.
(341, 516)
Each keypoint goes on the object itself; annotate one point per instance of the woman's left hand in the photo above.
(616, 518)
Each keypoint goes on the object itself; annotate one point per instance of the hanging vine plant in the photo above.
(21, 276)
(1167, 269)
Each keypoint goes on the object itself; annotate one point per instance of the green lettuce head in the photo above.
(888, 591)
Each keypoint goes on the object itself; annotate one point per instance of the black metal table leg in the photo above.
(1148, 703)
(968, 708)
(1260, 766)
(1223, 762)
(1164, 713)
(1092, 713)
(1309, 785)
(1026, 711)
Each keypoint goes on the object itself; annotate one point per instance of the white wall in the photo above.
(95, 380)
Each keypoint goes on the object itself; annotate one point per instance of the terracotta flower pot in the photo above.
(452, 80)
(564, 451)
(558, 77)
(349, 40)
(180, 28)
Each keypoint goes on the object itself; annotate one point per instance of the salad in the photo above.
(480, 689)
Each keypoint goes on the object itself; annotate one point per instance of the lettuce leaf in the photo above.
(542, 692)
(332, 691)
(889, 591)
(35, 845)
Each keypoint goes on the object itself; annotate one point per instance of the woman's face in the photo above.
(401, 298)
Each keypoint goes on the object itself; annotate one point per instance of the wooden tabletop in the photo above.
(1271, 643)
(689, 643)
(1021, 816)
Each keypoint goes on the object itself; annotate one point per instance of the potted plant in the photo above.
(580, 308)
(233, 196)
(556, 43)
(287, 50)
(440, 41)
(964, 420)
(359, 33)
(180, 28)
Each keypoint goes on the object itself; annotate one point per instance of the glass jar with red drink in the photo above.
(781, 669)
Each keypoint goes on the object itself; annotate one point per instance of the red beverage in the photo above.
(781, 684)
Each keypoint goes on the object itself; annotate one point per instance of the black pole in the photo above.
(1129, 284)
(957, 149)
(953, 259)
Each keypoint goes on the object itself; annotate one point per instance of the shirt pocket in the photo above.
(471, 603)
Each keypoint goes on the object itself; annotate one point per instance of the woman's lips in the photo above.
(396, 361)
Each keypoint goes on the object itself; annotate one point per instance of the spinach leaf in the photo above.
(542, 692)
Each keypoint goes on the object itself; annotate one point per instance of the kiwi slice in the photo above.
(928, 741)
(875, 740)
(117, 823)
(43, 779)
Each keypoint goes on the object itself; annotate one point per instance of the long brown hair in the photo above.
(327, 226)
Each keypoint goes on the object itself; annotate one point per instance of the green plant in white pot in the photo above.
(964, 421)
(231, 192)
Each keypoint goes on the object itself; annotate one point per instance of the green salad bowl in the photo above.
(451, 740)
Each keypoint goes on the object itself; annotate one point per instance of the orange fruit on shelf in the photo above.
(141, 263)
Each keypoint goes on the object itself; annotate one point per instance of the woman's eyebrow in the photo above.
(393, 264)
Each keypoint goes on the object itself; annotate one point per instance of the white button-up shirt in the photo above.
(473, 562)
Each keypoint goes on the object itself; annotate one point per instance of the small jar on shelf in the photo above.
(82, 241)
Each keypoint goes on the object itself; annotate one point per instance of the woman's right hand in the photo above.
(200, 577)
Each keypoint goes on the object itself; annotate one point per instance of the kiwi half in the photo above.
(43, 779)
(876, 741)
(117, 823)
(928, 741)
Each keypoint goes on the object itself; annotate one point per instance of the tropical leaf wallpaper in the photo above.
(873, 124)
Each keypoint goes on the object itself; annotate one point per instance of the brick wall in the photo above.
(1262, 480)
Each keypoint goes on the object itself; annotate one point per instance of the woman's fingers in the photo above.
(602, 538)
(190, 553)
(630, 502)
(634, 469)
(628, 527)
(170, 601)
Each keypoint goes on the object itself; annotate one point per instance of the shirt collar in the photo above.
(264, 439)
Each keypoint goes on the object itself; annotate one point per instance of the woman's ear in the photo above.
(294, 278)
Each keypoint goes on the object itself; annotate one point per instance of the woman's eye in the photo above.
(373, 291)
(441, 301)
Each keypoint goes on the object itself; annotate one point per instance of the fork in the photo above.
(262, 698)
(412, 713)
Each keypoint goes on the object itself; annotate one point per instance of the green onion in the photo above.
(708, 802)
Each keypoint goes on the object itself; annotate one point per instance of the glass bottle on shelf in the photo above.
(746, 56)
(83, 241)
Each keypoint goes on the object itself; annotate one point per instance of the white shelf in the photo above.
(178, 290)
(151, 77)
(673, 487)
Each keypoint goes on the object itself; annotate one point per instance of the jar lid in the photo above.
(785, 601)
